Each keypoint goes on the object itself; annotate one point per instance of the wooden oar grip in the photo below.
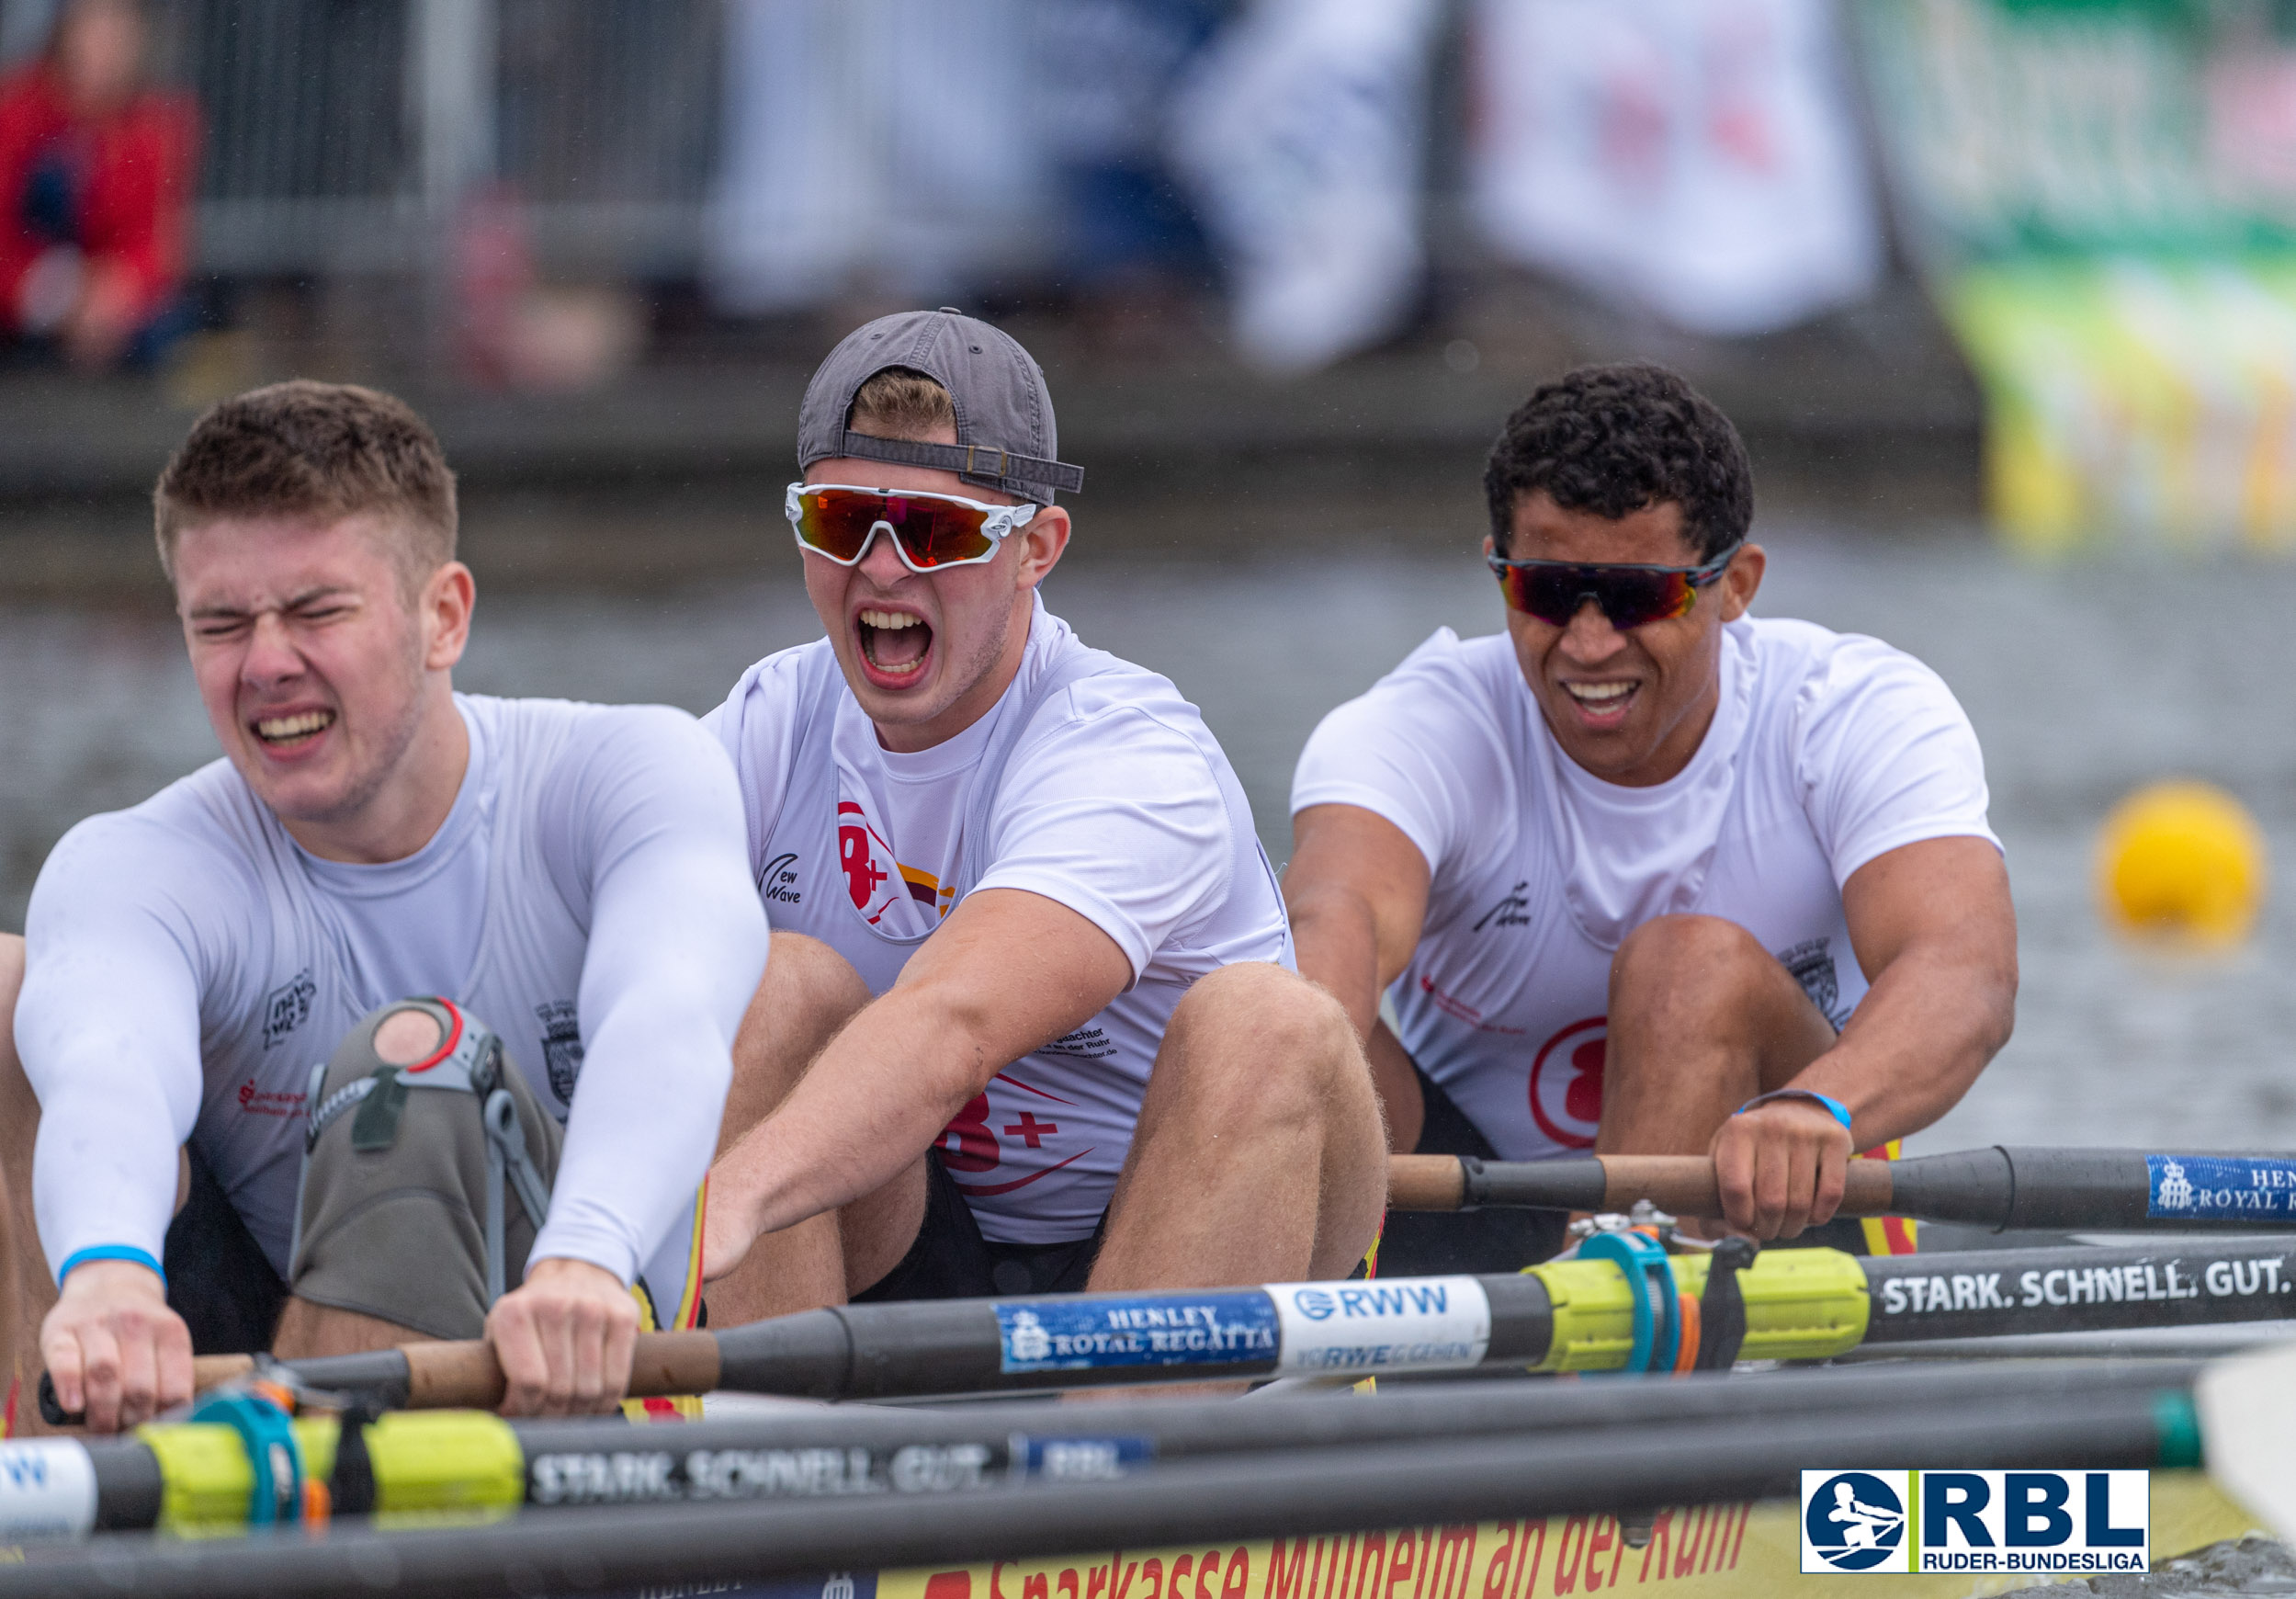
(673, 1363)
(458, 1376)
(1684, 1185)
(1678, 1184)
(1868, 1189)
(214, 1370)
(465, 1376)
(1425, 1182)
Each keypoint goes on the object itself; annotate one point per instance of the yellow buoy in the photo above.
(2181, 862)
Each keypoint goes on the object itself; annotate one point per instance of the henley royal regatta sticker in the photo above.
(1217, 1329)
(2221, 1187)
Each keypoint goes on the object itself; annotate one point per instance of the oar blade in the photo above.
(2247, 1407)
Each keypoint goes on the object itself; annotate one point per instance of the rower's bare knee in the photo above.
(12, 1078)
(1686, 985)
(308, 1331)
(808, 993)
(816, 989)
(1261, 1048)
(1686, 960)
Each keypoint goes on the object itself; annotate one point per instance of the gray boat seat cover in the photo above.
(392, 1218)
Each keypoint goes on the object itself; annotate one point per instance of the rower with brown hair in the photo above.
(566, 880)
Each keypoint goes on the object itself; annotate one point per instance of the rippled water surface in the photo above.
(2082, 680)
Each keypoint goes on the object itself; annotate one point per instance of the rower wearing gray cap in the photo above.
(1031, 1021)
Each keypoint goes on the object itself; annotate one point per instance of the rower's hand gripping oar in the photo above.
(435, 1375)
(2001, 1188)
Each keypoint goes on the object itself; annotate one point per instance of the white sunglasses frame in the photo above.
(1002, 520)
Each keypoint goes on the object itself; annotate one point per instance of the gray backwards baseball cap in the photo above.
(1005, 437)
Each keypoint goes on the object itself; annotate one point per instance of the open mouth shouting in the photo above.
(1602, 705)
(894, 646)
(293, 731)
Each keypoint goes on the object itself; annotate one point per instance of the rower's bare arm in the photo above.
(1007, 973)
(1935, 933)
(1356, 888)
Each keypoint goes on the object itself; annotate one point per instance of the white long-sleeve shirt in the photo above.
(588, 898)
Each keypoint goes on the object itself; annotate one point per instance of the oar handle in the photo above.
(466, 1375)
(207, 1371)
(1679, 1184)
(1425, 1182)
(458, 1376)
(1684, 1185)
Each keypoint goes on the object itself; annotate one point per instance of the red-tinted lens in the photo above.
(932, 532)
(1630, 597)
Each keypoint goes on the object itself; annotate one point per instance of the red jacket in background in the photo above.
(134, 190)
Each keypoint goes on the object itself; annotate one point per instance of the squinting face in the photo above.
(311, 665)
(1629, 707)
(922, 652)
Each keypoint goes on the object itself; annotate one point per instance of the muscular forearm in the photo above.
(1929, 1026)
(874, 1101)
(1337, 936)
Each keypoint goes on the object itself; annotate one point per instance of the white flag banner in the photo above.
(839, 175)
(1698, 157)
(1301, 134)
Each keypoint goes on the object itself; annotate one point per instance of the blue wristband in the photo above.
(1834, 1107)
(110, 1252)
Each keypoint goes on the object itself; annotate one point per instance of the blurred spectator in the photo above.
(1695, 158)
(875, 151)
(1133, 254)
(1302, 131)
(95, 173)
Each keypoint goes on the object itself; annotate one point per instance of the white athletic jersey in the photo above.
(189, 963)
(1825, 751)
(1093, 783)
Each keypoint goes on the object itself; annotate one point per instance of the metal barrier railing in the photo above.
(338, 137)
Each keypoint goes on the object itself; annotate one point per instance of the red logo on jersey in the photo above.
(862, 872)
(1567, 1083)
(968, 1144)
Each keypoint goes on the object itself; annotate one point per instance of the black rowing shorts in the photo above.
(1421, 1243)
(950, 1260)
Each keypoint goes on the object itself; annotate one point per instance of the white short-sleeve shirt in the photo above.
(1116, 802)
(1827, 750)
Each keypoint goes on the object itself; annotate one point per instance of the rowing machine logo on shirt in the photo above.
(779, 880)
(1567, 1083)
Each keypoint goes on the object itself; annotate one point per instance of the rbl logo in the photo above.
(1854, 1521)
(2073, 1523)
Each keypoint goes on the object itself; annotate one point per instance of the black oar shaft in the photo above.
(908, 1350)
(863, 1449)
(1282, 1494)
(1987, 1293)
(2001, 1187)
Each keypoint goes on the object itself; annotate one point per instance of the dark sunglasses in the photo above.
(1629, 596)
